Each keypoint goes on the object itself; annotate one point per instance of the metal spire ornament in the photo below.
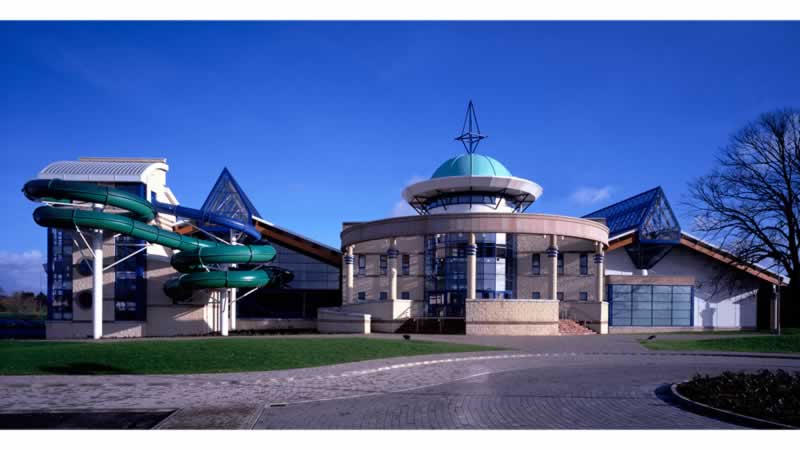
(470, 132)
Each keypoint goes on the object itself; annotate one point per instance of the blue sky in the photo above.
(326, 122)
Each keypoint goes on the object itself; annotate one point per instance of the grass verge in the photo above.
(773, 396)
(204, 355)
(789, 343)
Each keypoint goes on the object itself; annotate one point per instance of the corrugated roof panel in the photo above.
(101, 169)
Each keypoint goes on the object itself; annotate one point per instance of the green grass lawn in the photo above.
(204, 355)
(789, 342)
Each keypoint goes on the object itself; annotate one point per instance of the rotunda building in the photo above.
(473, 259)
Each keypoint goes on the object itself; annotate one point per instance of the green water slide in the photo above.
(195, 258)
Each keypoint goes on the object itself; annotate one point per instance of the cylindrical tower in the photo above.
(469, 183)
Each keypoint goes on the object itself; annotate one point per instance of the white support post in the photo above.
(233, 292)
(97, 282)
(223, 311)
(232, 307)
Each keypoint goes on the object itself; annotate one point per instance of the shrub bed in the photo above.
(773, 396)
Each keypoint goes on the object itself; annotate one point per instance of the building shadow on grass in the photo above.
(84, 368)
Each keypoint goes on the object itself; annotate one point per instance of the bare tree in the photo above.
(750, 202)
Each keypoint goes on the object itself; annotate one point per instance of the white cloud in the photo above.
(22, 271)
(590, 195)
(401, 207)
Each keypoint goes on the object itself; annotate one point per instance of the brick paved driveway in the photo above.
(603, 383)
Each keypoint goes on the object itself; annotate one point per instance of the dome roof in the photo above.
(471, 164)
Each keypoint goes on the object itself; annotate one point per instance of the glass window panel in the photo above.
(641, 321)
(662, 321)
(681, 314)
(662, 290)
(661, 306)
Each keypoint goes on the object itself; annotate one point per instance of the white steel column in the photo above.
(223, 311)
(233, 291)
(392, 257)
(552, 254)
(97, 281)
(600, 272)
(348, 266)
(472, 267)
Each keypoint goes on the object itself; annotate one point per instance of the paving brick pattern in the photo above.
(511, 389)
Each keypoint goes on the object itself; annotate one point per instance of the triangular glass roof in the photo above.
(227, 198)
(649, 213)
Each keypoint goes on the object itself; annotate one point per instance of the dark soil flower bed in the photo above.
(773, 396)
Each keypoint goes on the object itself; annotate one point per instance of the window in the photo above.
(406, 264)
(584, 296)
(405, 295)
(584, 264)
(130, 284)
(384, 295)
(59, 283)
(362, 295)
(362, 264)
(560, 296)
(536, 264)
(560, 263)
(384, 264)
(536, 295)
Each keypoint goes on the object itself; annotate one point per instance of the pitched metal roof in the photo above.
(104, 169)
(648, 213)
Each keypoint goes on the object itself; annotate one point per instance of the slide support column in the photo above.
(233, 291)
(223, 311)
(97, 281)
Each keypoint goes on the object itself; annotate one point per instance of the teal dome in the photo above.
(472, 164)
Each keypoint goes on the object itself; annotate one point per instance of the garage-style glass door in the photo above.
(650, 305)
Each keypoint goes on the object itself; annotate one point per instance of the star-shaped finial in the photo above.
(468, 137)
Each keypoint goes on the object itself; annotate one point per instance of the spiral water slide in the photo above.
(196, 259)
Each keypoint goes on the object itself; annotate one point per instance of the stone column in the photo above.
(600, 272)
(552, 254)
(349, 259)
(472, 267)
(392, 272)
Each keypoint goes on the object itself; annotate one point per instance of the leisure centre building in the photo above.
(472, 260)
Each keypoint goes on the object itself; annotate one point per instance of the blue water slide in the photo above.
(201, 216)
